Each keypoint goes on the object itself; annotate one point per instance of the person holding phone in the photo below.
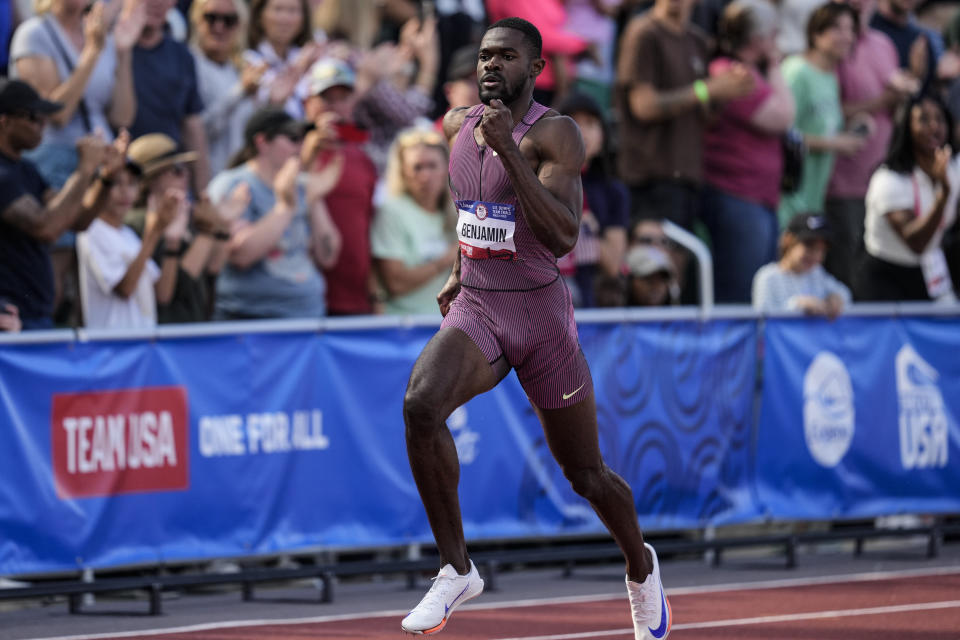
(337, 142)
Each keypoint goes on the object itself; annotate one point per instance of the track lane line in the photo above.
(738, 622)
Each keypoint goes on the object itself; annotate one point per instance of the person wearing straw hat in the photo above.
(120, 285)
(198, 235)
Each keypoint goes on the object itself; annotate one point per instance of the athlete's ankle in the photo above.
(644, 567)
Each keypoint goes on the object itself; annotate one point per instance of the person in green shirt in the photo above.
(413, 238)
(811, 76)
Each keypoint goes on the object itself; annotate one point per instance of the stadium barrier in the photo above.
(243, 439)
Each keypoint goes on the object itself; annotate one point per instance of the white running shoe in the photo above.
(449, 591)
(649, 605)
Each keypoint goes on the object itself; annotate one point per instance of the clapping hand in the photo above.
(115, 155)
(322, 181)
(91, 150)
(322, 136)
(285, 182)
(95, 27)
(251, 76)
(420, 37)
(168, 214)
(941, 166)
(130, 25)
(231, 208)
(309, 53)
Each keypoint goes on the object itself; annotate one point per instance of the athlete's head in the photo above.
(510, 60)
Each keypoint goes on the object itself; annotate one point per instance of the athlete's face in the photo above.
(505, 68)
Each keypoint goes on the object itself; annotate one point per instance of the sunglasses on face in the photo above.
(228, 20)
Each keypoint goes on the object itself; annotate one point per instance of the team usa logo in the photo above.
(481, 212)
(122, 441)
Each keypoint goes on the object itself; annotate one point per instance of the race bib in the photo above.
(485, 230)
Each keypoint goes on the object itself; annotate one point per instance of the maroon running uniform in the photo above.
(512, 303)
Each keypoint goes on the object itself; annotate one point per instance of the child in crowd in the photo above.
(120, 285)
(798, 280)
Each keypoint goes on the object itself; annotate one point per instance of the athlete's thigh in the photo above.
(452, 369)
(571, 433)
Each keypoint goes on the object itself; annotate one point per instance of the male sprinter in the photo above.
(515, 174)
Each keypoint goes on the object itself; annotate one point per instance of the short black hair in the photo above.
(900, 156)
(531, 35)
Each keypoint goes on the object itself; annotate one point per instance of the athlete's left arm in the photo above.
(552, 198)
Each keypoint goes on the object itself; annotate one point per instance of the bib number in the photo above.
(485, 230)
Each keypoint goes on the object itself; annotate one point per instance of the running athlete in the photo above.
(515, 175)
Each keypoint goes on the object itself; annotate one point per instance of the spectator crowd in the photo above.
(165, 161)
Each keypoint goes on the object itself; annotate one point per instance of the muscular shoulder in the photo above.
(452, 122)
(557, 137)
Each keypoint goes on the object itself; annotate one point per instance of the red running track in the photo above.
(924, 607)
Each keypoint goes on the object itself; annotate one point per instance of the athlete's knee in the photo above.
(587, 482)
(421, 411)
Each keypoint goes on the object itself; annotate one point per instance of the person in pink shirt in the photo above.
(743, 159)
(559, 45)
(872, 86)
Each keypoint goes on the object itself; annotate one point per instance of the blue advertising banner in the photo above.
(125, 451)
(859, 417)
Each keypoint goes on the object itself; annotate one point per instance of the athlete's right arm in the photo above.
(450, 289)
(452, 122)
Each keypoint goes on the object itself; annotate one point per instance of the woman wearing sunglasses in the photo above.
(227, 84)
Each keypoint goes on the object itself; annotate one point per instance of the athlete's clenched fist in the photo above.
(496, 126)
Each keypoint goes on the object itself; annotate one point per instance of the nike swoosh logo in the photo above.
(567, 396)
(446, 607)
(660, 631)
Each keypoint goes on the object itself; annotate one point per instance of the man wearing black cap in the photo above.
(31, 216)
(285, 237)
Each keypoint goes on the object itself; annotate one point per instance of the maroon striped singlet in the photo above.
(513, 303)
